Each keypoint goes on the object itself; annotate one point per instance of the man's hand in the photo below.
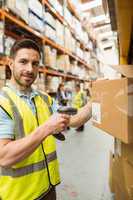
(57, 123)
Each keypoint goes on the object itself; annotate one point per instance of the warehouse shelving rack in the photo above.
(9, 17)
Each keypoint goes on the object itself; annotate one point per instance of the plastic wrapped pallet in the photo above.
(58, 7)
(68, 16)
(74, 67)
(20, 8)
(36, 17)
(85, 37)
(35, 22)
(50, 57)
(87, 56)
(1, 42)
(40, 82)
(8, 44)
(63, 63)
(52, 83)
(68, 39)
(78, 27)
(59, 33)
(50, 32)
(79, 51)
(73, 45)
(36, 7)
(50, 19)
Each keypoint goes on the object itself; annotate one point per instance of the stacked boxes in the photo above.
(63, 63)
(86, 56)
(50, 32)
(68, 38)
(49, 19)
(59, 33)
(8, 44)
(52, 84)
(67, 16)
(121, 183)
(19, 7)
(112, 111)
(50, 55)
(58, 7)
(40, 82)
(36, 18)
(114, 106)
(1, 37)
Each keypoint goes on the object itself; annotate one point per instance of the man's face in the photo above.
(25, 67)
(77, 89)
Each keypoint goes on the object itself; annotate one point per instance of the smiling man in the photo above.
(29, 166)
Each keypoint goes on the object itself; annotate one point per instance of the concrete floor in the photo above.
(84, 165)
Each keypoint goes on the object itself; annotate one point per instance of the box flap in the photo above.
(125, 70)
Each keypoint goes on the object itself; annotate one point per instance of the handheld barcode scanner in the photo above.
(64, 110)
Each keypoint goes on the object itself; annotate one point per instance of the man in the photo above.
(79, 102)
(28, 160)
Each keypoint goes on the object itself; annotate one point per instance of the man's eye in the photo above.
(23, 61)
(36, 64)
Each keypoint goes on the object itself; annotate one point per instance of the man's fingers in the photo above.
(65, 116)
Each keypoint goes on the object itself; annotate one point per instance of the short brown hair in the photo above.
(24, 43)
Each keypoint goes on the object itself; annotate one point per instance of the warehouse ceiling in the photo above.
(96, 16)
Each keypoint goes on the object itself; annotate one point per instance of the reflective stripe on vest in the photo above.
(29, 168)
(18, 128)
(45, 98)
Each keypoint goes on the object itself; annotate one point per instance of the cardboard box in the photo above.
(67, 15)
(123, 179)
(111, 173)
(124, 150)
(59, 33)
(36, 7)
(50, 32)
(35, 21)
(19, 7)
(68, 39)
(63, 63)
(50, 19)
(50, 57)
(112, 107)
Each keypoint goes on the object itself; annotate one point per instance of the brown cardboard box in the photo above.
(112, 107)
(124, 150)
(123, 179)
(111, 173)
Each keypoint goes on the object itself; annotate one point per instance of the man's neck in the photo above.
(20, 88)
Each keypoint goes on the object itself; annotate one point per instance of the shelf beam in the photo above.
(4, 14)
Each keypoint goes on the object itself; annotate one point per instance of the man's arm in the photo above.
(83, 115)
(14, 151)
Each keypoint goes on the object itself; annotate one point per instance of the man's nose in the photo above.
(29, 67)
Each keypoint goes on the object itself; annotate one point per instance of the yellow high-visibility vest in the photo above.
(78, 100)
(34, 175)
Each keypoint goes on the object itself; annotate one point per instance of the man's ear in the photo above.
(11, 63)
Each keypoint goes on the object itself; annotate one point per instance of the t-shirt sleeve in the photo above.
(6, 126)
(54, 106)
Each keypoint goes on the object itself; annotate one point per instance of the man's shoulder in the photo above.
(45, 96)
